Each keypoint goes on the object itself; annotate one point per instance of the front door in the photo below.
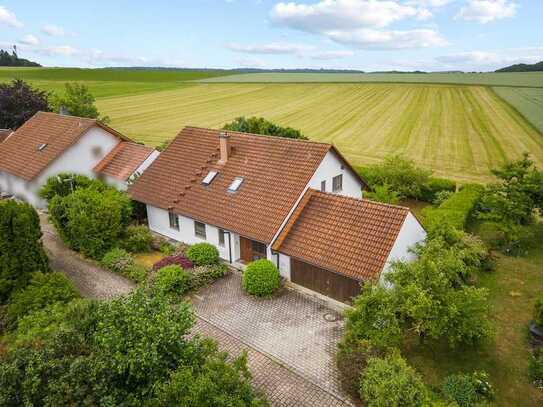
(251, 250)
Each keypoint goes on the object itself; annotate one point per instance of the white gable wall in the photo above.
(80, 158)
(410, 234)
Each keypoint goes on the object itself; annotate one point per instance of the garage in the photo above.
(325, 282)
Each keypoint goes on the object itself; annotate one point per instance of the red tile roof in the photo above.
(349, 236)
(20, 152)
(123, 160)
(275, 171)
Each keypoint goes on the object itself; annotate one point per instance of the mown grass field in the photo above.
(526, 79)
(528, 101)
(460, 132)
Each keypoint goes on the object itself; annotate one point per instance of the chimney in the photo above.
(224, 147)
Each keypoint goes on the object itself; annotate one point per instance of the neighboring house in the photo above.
(49, 144)
(296, 203)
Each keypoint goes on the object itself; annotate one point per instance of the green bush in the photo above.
(172, 280)
(538, 312)
(65, 183)
(390, 381)
(90, 221)
(120, 261)
(535, 369)
(456, 210)
(352, 360)
(383, 193)
(137, 239)
(167, 248)
(44, 289)
(261, 278)
(203, 254)
(203, 275)
(434, 186)
(21, 250)
(467, 389)
(136, 272)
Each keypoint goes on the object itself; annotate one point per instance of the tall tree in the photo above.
(21, 250)
(79, 101)
(19, 102)
(259, 125)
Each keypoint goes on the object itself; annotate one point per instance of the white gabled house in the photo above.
(296, 203)
(49, 144)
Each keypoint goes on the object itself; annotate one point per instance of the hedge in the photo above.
(261, 278)
(21, 250)
(456, 210)
(434, 186)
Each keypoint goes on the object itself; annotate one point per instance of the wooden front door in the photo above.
(323, 281)
(251, 250)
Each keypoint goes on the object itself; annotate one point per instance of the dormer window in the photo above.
(42, 146)
(234, 186)
(209, 177)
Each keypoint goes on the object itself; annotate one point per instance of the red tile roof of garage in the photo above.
(20, 152)
(123, 160)
(346, 235)
(275, 171)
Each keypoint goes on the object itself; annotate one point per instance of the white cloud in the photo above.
(250, 63)
(60, 50)
(274, 48)
(485, 11)
(490, 60)
(341, 14)
(9, 18)
(360, 23)
(29, 40)
(383, 39)
(430, 3)
(53, 30)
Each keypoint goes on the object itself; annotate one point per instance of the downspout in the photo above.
(229, 247)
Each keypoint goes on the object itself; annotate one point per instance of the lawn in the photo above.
(513, 288)
(529, 79)
(460, 132)
(528, 101)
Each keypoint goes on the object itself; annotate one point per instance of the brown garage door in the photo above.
(332, 285)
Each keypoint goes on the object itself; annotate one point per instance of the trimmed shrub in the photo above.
(90, 221)
(203, 254)
(21, 250)
(535, 368)
(137, 239)
(65, 183)
(44, 289)
(434, 186)
(203, 275)
(538, 312)
(172, 279)
(176, 259)
(122, 262)
(390, 381)
(456, 210)
(467, 389)
(261, 278)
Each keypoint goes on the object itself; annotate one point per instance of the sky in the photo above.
(370, 35)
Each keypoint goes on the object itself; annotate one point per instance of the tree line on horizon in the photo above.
(12, 59)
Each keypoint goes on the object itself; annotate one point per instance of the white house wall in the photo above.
(331, 166)
(410, 234)
(159, 221)
(80, 158)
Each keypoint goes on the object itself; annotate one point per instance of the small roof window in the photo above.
(42, 146)
(234, 186)
(209, 177)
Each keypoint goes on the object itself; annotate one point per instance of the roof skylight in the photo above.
(42, 146)
(209, 177)
(234, 186)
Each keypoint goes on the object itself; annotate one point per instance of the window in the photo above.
(200, 230)
(258, 250)
(337, 183)
(221, 237)
(234, 186)
(42, 146)
(323, 186)
(209, 177)
(174, 221)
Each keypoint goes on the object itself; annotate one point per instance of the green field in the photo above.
(528, 101)
(459, 131)
(524, 79)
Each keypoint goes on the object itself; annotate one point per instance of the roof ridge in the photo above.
(242, 133)
(369, 201)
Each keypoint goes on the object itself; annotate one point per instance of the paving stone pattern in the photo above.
(289, 327)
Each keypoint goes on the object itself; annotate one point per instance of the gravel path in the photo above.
(91, 280)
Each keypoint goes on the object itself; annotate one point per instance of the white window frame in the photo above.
(174, 220)
(196, 233)
(323, 186)
(236, 184)
(222, 241)
(208, 179)
(335, 187)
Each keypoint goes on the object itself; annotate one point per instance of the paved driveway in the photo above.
(291, 328)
